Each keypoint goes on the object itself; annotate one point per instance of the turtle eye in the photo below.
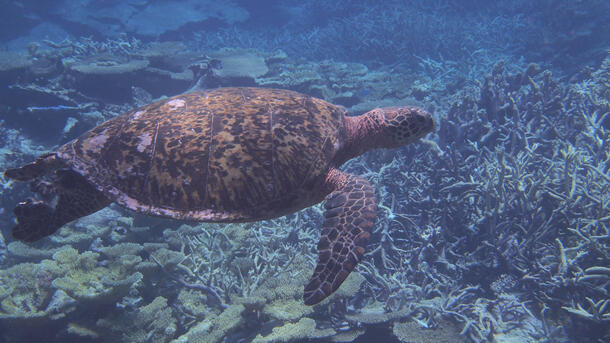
(400, 128)
(407, 124)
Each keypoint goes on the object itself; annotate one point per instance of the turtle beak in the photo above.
(404, 125)
(420, 123)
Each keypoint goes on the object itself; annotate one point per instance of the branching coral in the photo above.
(250, 254)
(506, 232)
(522, 207)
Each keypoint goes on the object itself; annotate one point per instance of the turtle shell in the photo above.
(228, 154)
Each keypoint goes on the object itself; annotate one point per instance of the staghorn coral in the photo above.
(523, 201)
(209, 248)
(85, 46)
(525, 195)
(556, 181)
(261, 272)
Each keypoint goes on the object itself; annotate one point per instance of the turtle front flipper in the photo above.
(76, 198)
(348, 221)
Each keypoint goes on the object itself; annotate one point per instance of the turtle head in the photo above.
(389, 127)
(402, 125)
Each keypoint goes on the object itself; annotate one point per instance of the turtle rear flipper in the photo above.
(36, 169)
(348, 221)
(76, 198)
(35, 220)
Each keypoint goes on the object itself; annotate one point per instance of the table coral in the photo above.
(25, 291)
(153, 322)
(289, 332)
(215, 328)
(240, 65)
(108, 65)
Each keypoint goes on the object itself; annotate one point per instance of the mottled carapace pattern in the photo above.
(229, 154)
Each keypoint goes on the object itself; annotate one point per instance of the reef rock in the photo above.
(240, 66)
(152, 18)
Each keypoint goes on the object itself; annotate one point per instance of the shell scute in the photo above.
(229, 154)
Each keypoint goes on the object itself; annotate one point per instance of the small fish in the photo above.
(52, 108)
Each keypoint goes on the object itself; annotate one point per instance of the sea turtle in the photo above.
(225, 155)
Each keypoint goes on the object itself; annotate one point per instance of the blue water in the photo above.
(493, 227)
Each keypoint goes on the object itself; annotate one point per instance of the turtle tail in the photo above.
(35, 219)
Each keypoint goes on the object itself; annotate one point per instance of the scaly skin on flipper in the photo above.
(76, 198)
(35, 221)
(348, 221)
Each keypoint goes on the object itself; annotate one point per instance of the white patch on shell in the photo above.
(131, 203)
(145, 140)
(137, 114)
(176, 103)
(96, 143)
(337, 145)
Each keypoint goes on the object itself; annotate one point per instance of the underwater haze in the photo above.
(492, 227)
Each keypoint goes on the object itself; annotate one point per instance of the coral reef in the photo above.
(532, 177)
(105, 66)
(153, 322)
(215, 328)
(289, 332)
(494, 229)
(412, 332)
(240, 67)
(531, 185)
(55, 291)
